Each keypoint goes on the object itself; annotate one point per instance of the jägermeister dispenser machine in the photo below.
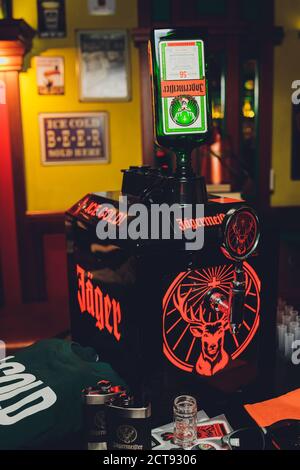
(164, 278)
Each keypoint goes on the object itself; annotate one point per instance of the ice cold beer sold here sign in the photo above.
(74, 138)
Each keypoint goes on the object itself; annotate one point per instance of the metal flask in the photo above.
(94, 399)
(128, 424)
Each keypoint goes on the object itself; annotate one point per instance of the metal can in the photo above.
(128, 424)
(94, 399)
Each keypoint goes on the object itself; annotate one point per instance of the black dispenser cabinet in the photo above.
(170, 320)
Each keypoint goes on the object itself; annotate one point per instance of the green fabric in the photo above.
(63, 366)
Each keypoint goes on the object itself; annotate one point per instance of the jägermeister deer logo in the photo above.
(184, 110)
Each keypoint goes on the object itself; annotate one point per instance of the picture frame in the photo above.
(102, 7)
(104, 65)
(50, 72)
(51, 19)
(77, 138)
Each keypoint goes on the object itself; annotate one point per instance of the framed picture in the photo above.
(50, 75)
(104, 72)
(102, 7)
(74, 138)
(51, 18)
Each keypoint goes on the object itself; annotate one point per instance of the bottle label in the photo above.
(183, 87)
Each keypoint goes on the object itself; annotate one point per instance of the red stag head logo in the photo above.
(213, 356)
(242, 226)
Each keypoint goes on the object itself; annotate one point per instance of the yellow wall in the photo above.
(58, 187)
(286, 70)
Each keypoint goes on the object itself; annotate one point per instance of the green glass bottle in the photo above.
(180, 94)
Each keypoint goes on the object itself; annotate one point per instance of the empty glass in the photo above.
(289, 309)
(286, 318)
(185, 421)
(292, 326)
(288, 345)
(282, 330)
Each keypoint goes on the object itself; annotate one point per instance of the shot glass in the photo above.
(185, 421)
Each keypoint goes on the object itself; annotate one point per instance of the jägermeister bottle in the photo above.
(179, 92)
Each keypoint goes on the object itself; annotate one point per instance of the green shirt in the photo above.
(40, 392)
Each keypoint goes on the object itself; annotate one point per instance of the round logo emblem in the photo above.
(126, 434)
(184, 110)
(197, 338)
(241, 233)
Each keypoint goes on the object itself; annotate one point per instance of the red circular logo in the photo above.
(241, 233)
(198, 338)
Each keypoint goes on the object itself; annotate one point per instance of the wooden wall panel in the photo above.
(38, 226)
(8, 228)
